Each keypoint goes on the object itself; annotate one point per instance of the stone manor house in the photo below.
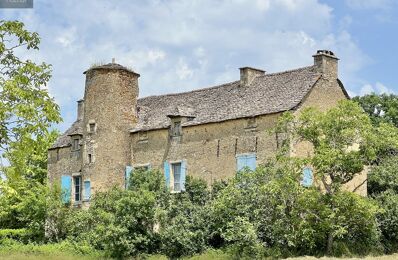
(210, 133)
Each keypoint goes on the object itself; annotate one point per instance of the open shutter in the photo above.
(251, 161)
(127, 174)
(307, 177)
(183, 174)
(66, 188)
(87, 190)
(240, 162)
(167, 173)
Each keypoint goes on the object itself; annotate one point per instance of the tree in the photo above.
(343, 141)
(380, 108)
(27, 110)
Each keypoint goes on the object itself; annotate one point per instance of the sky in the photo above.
(180, 45)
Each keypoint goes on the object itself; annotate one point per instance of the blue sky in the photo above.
(179, 45)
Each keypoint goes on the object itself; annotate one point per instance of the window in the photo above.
(308, 177)
(87, 191)
(246, 161)
(251, 122)
(77, 183)
(176, 130)
(92, 127)
(143, 136)
(75, 144)
(176, 168)
(90, 158)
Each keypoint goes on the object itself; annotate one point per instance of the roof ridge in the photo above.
(225, 84)
(191, 91)
(287, 71)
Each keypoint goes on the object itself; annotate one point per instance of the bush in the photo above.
(384, 176)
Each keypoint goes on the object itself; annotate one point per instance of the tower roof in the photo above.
(112, 66)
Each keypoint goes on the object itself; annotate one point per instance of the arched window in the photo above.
(308, 177)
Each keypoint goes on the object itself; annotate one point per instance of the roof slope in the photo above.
(270, 93)
(266, 94)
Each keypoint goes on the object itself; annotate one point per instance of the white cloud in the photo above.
(179, 45)
(183, 71)
(377, 88)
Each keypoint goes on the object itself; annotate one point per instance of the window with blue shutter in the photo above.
(87, 190)
(166, 168)
(127, 174)
(183, 174)
(66, 188)
(246, 160)
(308, 177)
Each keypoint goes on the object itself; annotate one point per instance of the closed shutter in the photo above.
(166, 169)
(183, 174)
(240, 162)
(246, 160)
(251, 161)
(308, 177)
(87, 190)
(66, 188)
(127, 175)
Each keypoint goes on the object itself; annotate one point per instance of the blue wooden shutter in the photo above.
(127, 174)
(251, 161)
(183, 174)
(307, 177)
(66, 188)
(167, 173)
(240, 162)
(87, 190)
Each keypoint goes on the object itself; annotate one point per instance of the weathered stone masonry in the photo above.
(207, 133)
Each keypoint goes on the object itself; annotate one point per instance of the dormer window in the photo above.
(176, 128)
(75, 144)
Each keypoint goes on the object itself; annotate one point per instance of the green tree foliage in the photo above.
(380, 108)
(26, 110)
(26, 113)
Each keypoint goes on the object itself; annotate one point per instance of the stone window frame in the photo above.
(89, 127)
(74, 147)
(251, 123)
(76, 176)
(142, 166)
(176, 128)
(171, 163)
(143, 136)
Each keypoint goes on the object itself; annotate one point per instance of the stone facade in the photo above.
(205, 133)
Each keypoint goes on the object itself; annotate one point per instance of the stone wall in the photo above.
(210, 150)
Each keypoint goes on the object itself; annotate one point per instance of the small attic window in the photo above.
(75, 144)
(91, 127)
(251, 122)
(176, 128)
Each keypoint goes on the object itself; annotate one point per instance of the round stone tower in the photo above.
(110, 100)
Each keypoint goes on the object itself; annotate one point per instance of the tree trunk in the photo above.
(329, 247)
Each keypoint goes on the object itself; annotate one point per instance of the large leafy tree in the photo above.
(26, 113)
(343, 141)
(380, 108)
(26, 109)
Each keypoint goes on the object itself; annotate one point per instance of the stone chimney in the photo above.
(80, 109)
(247, 74)
(326, 63)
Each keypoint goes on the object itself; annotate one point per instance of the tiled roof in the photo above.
(64, 139)
(270, 93)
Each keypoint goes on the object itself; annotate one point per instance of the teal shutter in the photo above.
(240, 162)
(251, 161)
(246, 160)
(87, 190)
(167, 173)
(66, 188)
(308, 177)
(183, 174)
(127, 174)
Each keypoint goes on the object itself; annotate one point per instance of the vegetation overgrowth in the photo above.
(255, 214)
